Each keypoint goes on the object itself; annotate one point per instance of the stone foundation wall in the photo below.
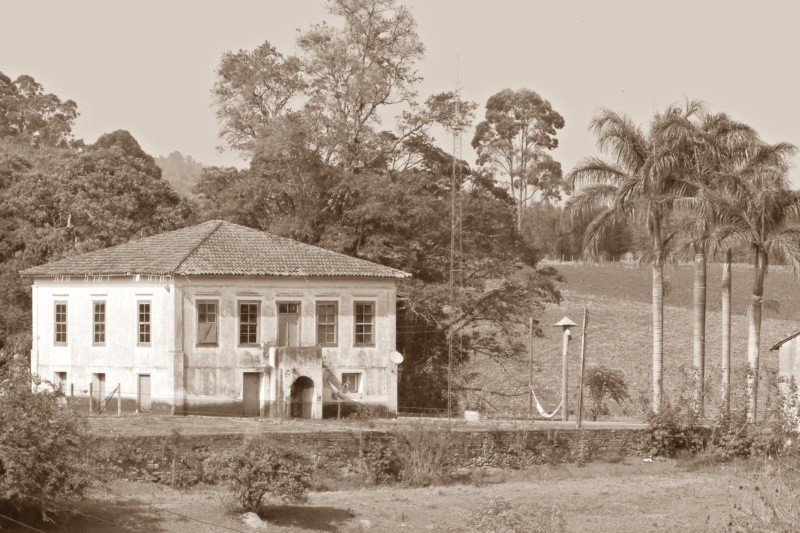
(491, 448)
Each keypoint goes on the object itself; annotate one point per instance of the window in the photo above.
(326, 323)
(288, 309)
(207, 322)
(99, 323)
(61, 323)
(365, 324)
(248, 322)
(289, 325)
(144, 322)
(351, 382)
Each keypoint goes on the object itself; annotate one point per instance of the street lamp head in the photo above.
(565, 323)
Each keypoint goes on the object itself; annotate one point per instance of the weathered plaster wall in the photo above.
(214, 374)
(204, 379)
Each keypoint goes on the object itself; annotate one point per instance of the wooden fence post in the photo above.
(119, 399)
(91, 399)
(583, 365)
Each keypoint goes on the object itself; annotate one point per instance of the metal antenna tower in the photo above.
(455, 228)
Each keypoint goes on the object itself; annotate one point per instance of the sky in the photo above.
(148, 66)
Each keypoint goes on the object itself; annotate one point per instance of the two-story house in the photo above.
(218, 318)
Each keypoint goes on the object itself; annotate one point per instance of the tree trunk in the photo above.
(699, 329)
(726, 333)
(658, 333)
(754, 335)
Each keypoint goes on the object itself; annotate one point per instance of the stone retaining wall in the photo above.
(149, 456)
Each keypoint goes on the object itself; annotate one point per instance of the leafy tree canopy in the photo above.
(514, 139)
(31, 116)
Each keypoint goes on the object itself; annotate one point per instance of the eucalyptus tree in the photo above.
(518, 131)
(702, 149)
(637, 185)
(759, 211)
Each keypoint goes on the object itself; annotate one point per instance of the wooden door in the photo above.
(289, 325)
(251, 393)
(99, 390)
(143, 401)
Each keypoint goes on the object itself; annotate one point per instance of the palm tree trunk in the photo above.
(658, 317)
(754, 335)
(726, 333)
(699, 330)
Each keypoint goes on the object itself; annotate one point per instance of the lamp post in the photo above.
(565, 323)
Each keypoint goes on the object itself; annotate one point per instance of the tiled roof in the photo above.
(214, 248)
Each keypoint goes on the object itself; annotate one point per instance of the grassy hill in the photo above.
(619, 335)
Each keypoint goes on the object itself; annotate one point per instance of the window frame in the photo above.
(198, 303)
(95, 322)
(359, 381)
(239, 304)
(140, 323)
(298, 313)
(356, 324)
(335, 323)
(56, 342)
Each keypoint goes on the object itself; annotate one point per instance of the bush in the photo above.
(424, 454)
(382, 463)
(604, 384)
(43, 445)
(256, 469)
(498, 516)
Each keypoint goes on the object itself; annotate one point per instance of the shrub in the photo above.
(256, 469)
(43, 445)
(604, 384)
(424, 454)
(499, 516)
(382, 463)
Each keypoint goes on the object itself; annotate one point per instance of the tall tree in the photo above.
(334, 92)
(31, 116)
(636, 185)
(702, 149)
(759, 211)
(514, 140)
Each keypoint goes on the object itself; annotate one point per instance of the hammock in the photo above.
(541, 409)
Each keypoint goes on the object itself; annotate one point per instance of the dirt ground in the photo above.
(630, 496)
(156, 425)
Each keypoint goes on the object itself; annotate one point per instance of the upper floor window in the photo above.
(326, 323)
(207, 331)
(144, 322)
(248, 322)
(288, 324)
(365, 323)
(60, 330)
(98, 323)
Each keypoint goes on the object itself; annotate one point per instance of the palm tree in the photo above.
(701, 149)
(758, 211)
(634, 186)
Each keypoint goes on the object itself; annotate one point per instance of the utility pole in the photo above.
(583, 365)
(530, 365)
(454, 233)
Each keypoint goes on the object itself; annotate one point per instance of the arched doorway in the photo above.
(302, 397)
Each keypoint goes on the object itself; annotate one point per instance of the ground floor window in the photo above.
(351, 382)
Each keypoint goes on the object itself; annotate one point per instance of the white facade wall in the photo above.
(185, 376)
(121, 358)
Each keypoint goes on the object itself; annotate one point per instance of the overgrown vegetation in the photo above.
(499, 516)
(604, 384)
(43, 446)
(257, 470)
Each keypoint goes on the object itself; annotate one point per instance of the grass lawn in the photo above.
(619, 336)
(629, 496)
